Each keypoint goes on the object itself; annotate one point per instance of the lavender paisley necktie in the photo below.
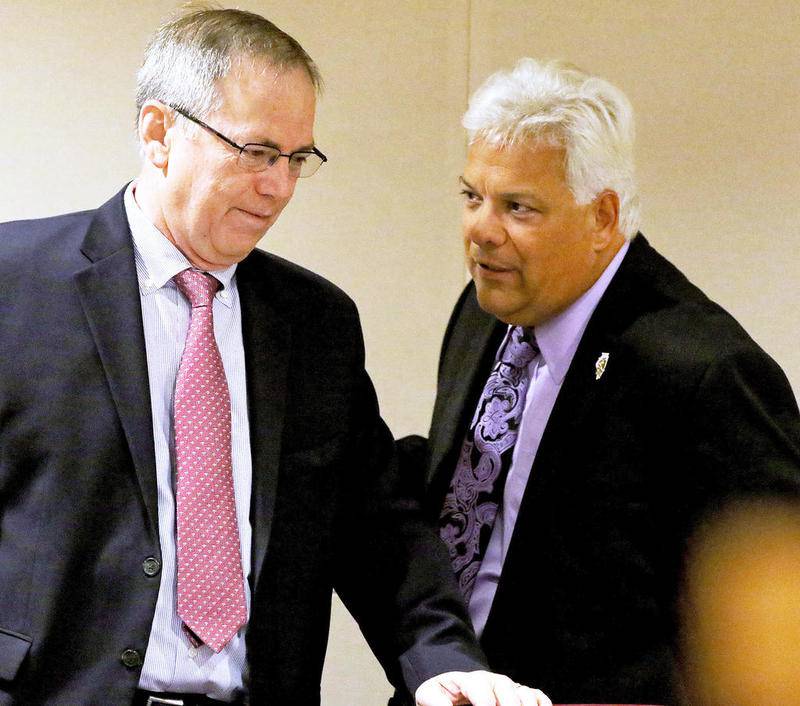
(471, 503)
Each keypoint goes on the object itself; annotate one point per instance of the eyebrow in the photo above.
(270, 143)
(508, 195)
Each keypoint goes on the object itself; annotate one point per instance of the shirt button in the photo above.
(131, 659)
(151, 566)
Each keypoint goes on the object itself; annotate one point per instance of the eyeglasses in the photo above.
(256, 157)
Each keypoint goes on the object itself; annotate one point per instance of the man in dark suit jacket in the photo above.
(90, 340)
(648, 408)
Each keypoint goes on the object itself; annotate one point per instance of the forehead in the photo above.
(259, 96)
(521, 164)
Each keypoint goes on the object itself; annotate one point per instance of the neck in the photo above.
(147, 198)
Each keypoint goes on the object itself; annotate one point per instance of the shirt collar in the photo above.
(157, 258)
(558, 338)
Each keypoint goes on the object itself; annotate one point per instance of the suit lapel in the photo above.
(109, 294)
(267, 345)
(579, 397)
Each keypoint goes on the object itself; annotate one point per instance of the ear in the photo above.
(605, 212)
(155, 121)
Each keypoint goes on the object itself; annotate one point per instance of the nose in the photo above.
(482, 225)
(276, 181)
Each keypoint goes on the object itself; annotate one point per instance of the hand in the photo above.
(479, 689)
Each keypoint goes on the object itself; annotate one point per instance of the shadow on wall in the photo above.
(742, 608)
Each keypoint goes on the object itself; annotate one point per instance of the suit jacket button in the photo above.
(151, 566)
(131, 659)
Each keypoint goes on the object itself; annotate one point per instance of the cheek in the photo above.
(466, 241)
(215, 199)
(552, 268)
(539, 262)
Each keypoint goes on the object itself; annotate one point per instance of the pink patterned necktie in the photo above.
(470, 506)
(211, 599)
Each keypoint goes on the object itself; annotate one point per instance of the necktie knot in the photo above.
(521, 347)
(198, 287)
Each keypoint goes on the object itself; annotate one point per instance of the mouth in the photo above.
(493, 267)
(255, 214)
(257, 218)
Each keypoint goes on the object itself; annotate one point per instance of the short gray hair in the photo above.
(559, 104)
(191, 52)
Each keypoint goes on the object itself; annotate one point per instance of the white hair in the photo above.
(559, 104)
(189, 54)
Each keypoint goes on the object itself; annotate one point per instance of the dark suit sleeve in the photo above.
(412, 458)
(392, 571)
(745, 430)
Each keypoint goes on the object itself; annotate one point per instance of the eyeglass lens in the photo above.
(256, 158)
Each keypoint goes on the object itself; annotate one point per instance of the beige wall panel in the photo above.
(381, 221)
(380, 218)
(716, 89)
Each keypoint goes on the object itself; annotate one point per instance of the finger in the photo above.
(532, 697)
(440, 690)
(542, 698)
(477, 687)
(507, 692)
(430, 695)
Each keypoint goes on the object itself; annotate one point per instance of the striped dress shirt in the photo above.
(171, 663)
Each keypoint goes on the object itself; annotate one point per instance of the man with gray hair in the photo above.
(593, 405)
(191, 456)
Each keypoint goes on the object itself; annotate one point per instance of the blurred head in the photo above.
(249, 83)
(548, 172)
(740, 606)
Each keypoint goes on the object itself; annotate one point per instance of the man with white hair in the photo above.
(191, 456)
(593, 405)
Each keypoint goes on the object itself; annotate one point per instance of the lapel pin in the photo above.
(600, 366)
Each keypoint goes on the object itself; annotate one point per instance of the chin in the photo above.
(491, 301)
(241, 244)
(498, 305)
